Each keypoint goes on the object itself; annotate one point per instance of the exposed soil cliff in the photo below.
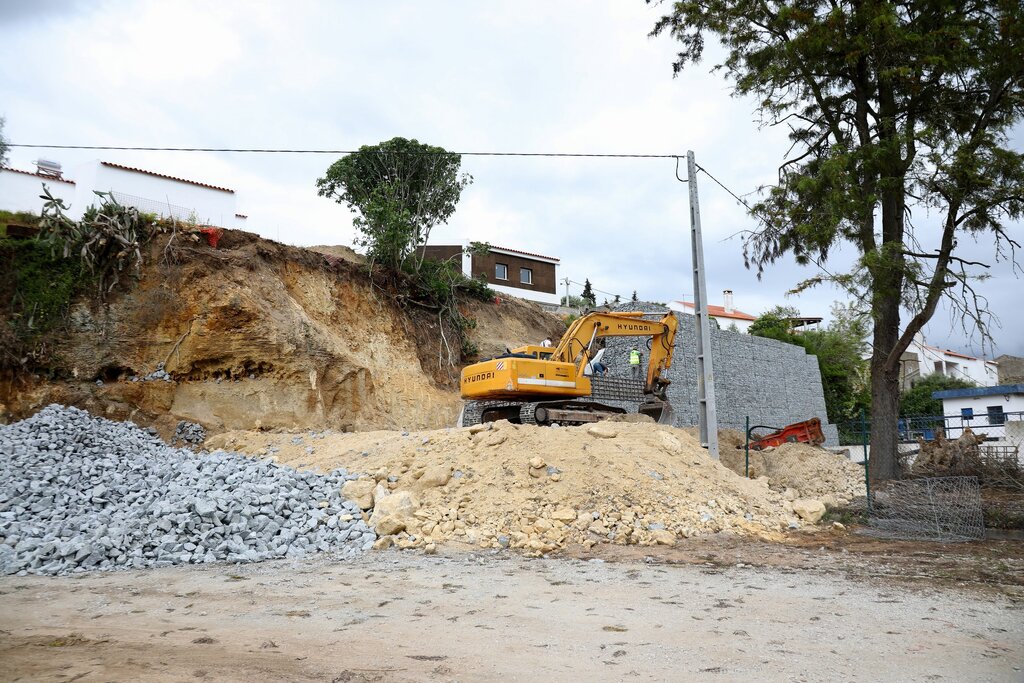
(256, 334)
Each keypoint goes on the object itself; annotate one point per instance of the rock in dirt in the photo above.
(359, 492)
(809, 510)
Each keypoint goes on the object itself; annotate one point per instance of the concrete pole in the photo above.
(707, 414)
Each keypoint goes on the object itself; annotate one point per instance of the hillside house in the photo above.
(509, 271)
(148, 191)
(921, 360)
(726, 314)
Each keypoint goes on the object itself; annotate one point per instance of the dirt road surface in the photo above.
(395, 616)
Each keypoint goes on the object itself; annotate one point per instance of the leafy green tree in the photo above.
(842, 350)
(918, 399)
(588, 294)
(572, 301)
(400, 189)
(775, 324)
(889, 106)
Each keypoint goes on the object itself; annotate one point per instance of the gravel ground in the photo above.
(79, 492)
(395, 616)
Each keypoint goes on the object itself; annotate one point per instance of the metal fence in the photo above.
(992, 425)
(931, 508)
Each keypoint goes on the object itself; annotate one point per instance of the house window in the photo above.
(500, 271)
(525, 276)
(995, 415)
(967, 413)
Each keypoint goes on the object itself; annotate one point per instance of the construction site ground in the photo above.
(818, 606)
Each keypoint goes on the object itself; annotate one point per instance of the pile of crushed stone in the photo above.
(538, 488)
(79, 492)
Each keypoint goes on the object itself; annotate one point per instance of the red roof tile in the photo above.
(39, 175)
(168, 177)
(719, 311)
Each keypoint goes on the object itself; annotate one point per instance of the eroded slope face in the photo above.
(254, 335)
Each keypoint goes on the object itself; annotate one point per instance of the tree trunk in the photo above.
(885, 400)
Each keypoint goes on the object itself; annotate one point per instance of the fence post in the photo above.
(864, 441)
(746, 449)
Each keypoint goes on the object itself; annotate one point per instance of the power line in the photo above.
(254, 150)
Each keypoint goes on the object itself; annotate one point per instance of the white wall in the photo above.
(931, 361)
(20, 191)
(529, 295)
(1011, 403)
(152, 194)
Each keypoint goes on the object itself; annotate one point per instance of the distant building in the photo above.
(921, 360)
(726, 314)
(996, 412)
(148, 191)
(510, 271)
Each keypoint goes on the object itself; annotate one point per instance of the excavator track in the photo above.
(609, 396)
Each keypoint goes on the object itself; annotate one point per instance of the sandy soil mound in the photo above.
(535, 488)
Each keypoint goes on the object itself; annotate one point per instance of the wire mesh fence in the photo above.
(932, 508)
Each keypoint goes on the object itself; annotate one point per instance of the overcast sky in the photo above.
(570, 76)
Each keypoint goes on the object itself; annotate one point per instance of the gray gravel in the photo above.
(79, 492)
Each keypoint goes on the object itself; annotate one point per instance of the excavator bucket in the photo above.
(661, 411)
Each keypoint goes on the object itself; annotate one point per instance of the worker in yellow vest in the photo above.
(634, 363)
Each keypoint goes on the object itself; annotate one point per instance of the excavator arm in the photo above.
(577, 344)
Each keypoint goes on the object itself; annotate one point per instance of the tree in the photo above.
(3, 143)
(775, 324)
(572, 301)
(618, 300)
(890, 106)
(634, 299)
(401, 189)
(842, 351)
(588, 294)
(918, 400)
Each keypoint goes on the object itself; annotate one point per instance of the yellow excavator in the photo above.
(545, 385)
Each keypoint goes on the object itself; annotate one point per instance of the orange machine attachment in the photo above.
(808, 431)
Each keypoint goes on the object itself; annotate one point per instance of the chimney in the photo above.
(727, 298)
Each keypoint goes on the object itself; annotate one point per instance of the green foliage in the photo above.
(400, 189)
(775, 324)
(889, 107)
(37, 289)
(107, 240)
(918, 399)
(840, 349)
(634, 299)
(572, 301)
(588, 294)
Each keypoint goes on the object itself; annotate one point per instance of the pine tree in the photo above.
(634, 299)
(588, 293)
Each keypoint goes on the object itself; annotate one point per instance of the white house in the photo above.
(920, 360)
(726, 314)
(20, 190)
(148, 191)
(997, 412)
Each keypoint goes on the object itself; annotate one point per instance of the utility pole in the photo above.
(707, 414)
(566, 281)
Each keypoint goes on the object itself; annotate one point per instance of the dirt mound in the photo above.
(539, 488)
(256, 334)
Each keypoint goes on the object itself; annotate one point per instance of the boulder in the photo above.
(602, 432)
(392, 513)
(809, 509)
(564, 515)
(359, 492)
(663, 537)
(434, 476)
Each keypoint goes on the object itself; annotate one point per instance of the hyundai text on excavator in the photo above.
(544, 385)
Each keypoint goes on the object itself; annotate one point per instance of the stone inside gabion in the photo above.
(79, 492)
